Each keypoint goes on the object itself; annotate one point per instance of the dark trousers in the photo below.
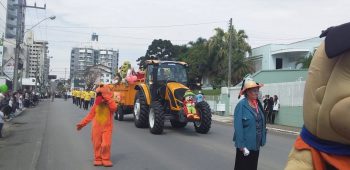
(266, 114)
(249, 162)
(273, 116)
(269, 117)
(73, 98)
(92, 101)
(81, 102)
(86, 104)
(1, 125)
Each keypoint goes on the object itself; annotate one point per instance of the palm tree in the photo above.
(305, 61)
(218, 56)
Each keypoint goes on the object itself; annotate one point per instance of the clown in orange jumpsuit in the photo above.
(101, 115)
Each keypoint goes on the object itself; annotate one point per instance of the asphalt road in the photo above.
(64, 148)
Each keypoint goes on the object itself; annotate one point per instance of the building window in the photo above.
(279, 63)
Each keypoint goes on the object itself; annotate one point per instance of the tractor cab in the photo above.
(160, 74)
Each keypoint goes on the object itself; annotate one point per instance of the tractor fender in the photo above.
(145, 90)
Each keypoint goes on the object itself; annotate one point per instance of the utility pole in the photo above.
(2, 65)
(65, 72)
(229, 56)
(230, 29)
(19, 38)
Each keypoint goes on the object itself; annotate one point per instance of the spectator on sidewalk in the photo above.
(11, 105)
(26, 99)
(276, 107)
(249, 128)
(266, 109)
(269, 108)
(2, 121)
(20, 101)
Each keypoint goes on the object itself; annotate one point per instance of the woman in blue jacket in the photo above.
(249, 128)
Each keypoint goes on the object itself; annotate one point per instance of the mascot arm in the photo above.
(87, 119)
(238, 126)
(299, 159)
(111, 103)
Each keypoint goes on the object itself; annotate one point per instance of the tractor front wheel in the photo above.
(204, 124)
(156, 118)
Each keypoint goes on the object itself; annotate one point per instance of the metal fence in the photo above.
(290, 94)
(213, 101)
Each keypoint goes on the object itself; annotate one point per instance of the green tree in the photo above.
(158, 50)
(305, 61)
(180, 50)
(197, 58)
(218, 56)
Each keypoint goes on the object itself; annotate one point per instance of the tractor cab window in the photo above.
(172, 72)
(149, 76)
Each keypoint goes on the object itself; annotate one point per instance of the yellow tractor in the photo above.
(160, 97)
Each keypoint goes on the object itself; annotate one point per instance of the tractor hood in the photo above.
(175, 94)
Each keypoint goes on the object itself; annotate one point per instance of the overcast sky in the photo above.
(131, 25)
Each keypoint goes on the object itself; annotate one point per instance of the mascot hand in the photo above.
(79, 126)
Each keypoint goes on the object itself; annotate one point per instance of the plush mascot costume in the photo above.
(324, 142)
(101, 115)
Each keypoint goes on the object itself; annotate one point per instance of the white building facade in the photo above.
(283, 56)
(38, 59)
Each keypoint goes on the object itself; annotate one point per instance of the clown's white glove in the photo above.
(245, 151)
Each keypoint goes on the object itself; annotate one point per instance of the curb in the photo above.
(296, 133)
(283, 131)
(16, 115)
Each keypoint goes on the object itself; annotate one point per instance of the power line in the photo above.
(144, 38)
(87, 42)
(140, 27)
(117, 36)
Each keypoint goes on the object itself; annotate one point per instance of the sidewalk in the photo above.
(6, 129)
(21, 144)
(276, 128)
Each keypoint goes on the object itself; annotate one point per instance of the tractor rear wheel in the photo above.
(204, 124)
(156, 118)
(141, 110)
(177, 124)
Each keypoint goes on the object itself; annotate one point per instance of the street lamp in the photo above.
(51, 18)
(18, 49)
